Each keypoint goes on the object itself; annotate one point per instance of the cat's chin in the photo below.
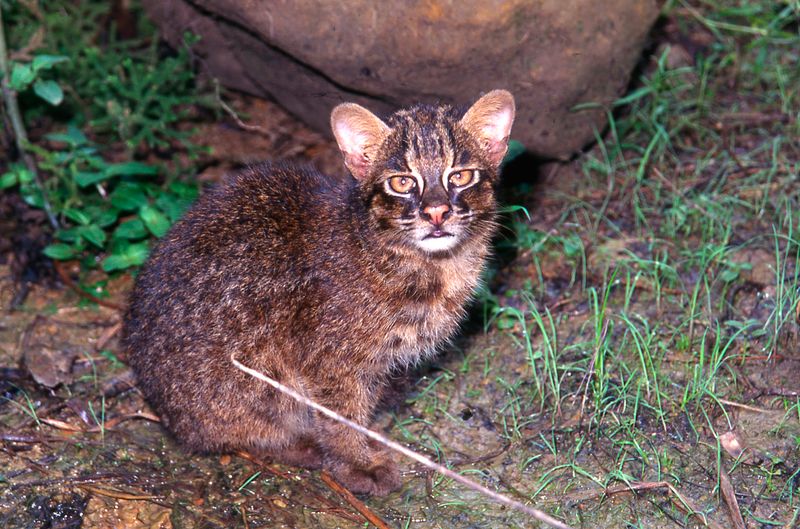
(438, 244)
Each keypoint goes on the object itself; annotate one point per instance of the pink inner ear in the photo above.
(489, 120)
(357, 163)
(498, 128)
(358, 132)
(350, 140)
(497, 149)
(353, 144)
(495, 132)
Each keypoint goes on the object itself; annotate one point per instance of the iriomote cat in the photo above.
(328, 286)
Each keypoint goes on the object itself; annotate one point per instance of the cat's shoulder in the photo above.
(259, 189)
(283, 177)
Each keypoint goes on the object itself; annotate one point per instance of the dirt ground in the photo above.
(696, 422)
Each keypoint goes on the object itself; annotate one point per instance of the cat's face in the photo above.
(430, 187)
(427, 176)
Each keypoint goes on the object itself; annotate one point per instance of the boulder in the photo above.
(310, 55)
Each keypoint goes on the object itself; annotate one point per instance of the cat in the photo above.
(328, 286)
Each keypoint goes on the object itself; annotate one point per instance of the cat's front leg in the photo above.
(358, 464)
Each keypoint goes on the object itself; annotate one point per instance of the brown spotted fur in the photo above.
(315, 283)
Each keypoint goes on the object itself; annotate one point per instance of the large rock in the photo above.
(311, 55)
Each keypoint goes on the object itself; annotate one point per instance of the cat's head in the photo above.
(427, 174)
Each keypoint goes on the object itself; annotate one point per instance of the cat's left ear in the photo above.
(360, 134)
(489, 120)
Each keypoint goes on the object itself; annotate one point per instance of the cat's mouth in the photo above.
(437, 233)
(437, 240)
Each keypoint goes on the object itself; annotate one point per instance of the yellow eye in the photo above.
(402, 184)
(463, 178)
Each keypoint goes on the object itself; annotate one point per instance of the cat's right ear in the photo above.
(360, 134)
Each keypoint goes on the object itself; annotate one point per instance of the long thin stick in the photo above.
(535, 513)
(20, 135)
(352, 500)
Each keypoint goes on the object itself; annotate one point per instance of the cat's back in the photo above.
(246, 238)
(266, 216)
(264, 205)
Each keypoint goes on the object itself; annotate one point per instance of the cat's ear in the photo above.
(360, 134)
(489, 120)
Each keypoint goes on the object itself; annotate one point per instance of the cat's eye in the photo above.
(463, 178)
(402, 184)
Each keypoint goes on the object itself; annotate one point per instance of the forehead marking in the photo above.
(412, 166)
(449, 159)
(428, 144)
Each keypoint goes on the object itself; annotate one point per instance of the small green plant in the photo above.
(140, 96)
(99, 417)
(601, 347)
(558, 243)
(32, 75)
(104, 207)
(28, 409)
(110, 207)
(106, 212)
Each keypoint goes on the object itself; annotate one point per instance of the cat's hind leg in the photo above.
(358, 464)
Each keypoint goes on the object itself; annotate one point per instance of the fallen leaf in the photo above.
(61, 425)
(49, 366)
(731, 443)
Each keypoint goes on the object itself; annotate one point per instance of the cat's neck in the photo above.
(453, 275)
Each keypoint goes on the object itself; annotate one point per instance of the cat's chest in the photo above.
(426, 308)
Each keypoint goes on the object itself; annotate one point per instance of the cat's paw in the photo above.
(378, 479)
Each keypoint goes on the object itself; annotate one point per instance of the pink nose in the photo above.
(437, 213)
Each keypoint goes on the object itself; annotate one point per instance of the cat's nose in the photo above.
(437, 214)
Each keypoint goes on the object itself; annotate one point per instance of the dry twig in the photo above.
(118, 495)
(64, 275)
(678, 499)
(330, 506)
(353, 501)
(107, 425)
(743, 406)
(20, 134)
(107, 335)
(235, 117)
